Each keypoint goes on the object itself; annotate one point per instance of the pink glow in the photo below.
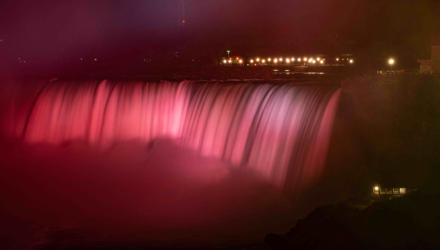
(282, 132)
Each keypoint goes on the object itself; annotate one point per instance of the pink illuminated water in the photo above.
(280, 131)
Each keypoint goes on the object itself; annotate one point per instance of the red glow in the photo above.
(281, 132)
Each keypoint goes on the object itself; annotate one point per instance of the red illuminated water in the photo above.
(279, 131)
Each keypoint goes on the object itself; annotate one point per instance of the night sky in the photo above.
(47, 32)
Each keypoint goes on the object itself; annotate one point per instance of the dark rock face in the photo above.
(325, 228)
(407, 223)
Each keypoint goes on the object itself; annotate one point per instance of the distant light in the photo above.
(275, 60)
(305, 59)
(351, 61)
(263, 61)
(240, 61)
(321, 62)
(318, 58)
(337, 59)
(287, 60)
(402, 190)
(280, 59)
(292, 59)
(225, 61)
(391, 61)
(95, 59)
(269, 59)
(251, 61)
(376, 188)
(257, 59)
(230, 61)
(299, 59)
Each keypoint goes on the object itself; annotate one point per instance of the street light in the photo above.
(376, 189)
(391, 61)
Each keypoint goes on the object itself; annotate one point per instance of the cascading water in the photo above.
(281, 131)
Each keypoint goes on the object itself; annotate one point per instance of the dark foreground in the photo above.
(412, 222)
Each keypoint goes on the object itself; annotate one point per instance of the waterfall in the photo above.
(280, 131)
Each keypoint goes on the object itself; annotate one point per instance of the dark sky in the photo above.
(48, 30)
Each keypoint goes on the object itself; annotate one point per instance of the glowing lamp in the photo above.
(351, 61)
(275, 60)
(287, 60)
(263, 61)
(257, 59)
(376, 188)
(240, 61)
(391, 61)
(269, 59)
(225, 61)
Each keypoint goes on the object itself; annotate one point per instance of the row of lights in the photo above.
(340, 60)
(276, 60)
(286, 60)
(235, 60)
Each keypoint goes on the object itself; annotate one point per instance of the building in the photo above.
(391, 192)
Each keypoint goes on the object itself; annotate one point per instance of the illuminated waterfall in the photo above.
(280, 131)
